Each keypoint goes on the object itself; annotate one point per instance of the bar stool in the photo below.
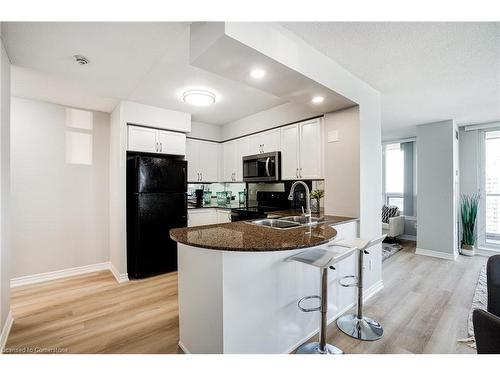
(356, 325)
(322, 259)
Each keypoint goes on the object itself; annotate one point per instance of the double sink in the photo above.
(287, 222)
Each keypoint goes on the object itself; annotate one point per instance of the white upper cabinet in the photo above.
(172, 143)
(229, 161)
(203, 161)
(232, 158)
(142, 139)
(156, 141)
(302, 151)
(268, 141)
(209, 161)
(241, 149)
(272, 140)
(192, 157)
(290, 152)
(311, 163)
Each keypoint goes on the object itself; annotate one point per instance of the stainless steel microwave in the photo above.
(262, 167)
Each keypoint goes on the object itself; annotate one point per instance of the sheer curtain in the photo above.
(408, 190)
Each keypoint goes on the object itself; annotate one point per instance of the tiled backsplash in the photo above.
(233, 187)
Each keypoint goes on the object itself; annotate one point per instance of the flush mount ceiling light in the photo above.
(257, 73)
(318, 99)
(200, 98)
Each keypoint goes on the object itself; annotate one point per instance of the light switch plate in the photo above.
(333, 136)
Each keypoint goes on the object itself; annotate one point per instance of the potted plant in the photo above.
(316, 196)
(468, 209)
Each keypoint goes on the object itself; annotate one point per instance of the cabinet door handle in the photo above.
(300, 172)
(156, 146)
(201, 176)
(297, 172)
(161, 147)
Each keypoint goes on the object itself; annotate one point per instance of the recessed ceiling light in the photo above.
(200, 98)
(257, 73)
(318, 99)
(80, 59)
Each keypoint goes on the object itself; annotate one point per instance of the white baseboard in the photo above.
(75, 271)
(183, 347)
(436, 254)
(484, 251)
(407, 237)
(120, 277)
(368, 293)
(5, 331)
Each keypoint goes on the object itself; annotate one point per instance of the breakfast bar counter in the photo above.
(238, 293)
(245, 236)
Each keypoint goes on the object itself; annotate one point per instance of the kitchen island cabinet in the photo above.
(238, 294)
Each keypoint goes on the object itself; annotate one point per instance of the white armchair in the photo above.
(395, 227)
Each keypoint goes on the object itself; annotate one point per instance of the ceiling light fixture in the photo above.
(200, 98)
(82, 60)
(257, 73)
(318, 99)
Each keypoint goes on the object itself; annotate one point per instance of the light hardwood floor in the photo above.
(423, 309)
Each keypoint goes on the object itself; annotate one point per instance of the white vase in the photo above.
(467, 250)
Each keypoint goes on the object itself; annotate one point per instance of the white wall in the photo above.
(5, 250)
(205, 131)
(342, 170)
(117, 191)
(60, 187)
(437, 163)
(279, 115)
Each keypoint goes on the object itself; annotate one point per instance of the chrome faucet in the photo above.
(308, 198)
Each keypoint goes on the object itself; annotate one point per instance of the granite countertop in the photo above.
(244, 236)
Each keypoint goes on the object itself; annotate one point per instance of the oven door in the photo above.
(261, 167)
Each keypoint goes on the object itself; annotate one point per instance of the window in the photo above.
(399, 176)
(492, 186)
(394, 175)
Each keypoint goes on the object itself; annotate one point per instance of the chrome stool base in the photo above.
(362, 329)
(314, 348)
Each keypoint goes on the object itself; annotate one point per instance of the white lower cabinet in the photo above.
(223, 216)
(202, 216)
(156, 141)
(207, 216)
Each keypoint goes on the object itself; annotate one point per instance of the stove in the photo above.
(267, 201)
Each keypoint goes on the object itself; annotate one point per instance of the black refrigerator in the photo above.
(156, 203)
